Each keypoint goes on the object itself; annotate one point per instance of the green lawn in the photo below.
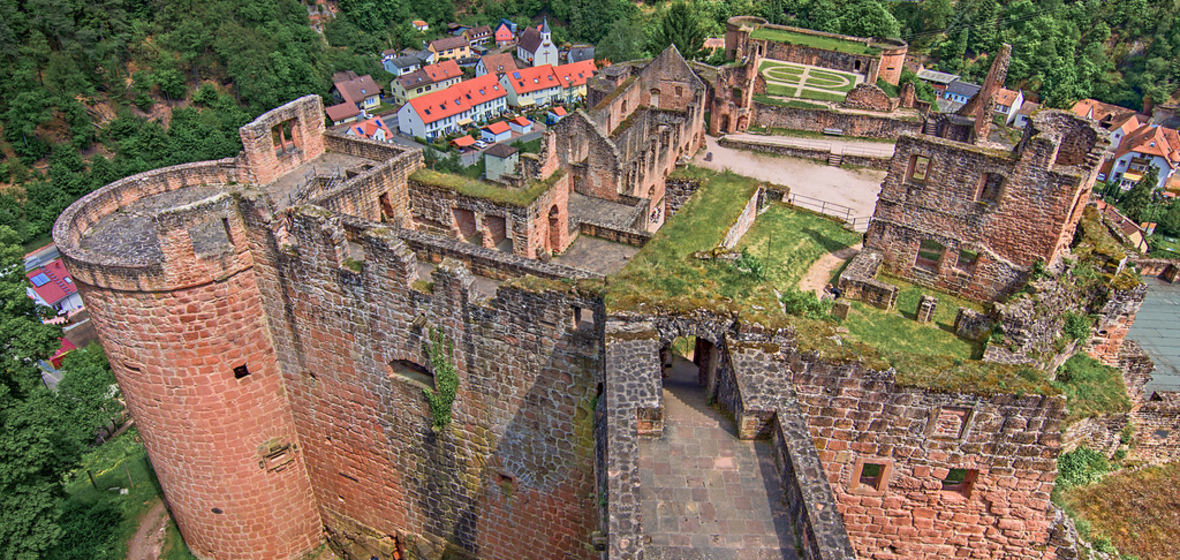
(789, 241)
(98, 521)
(819, 42)
(896, 330)
(779, 89)
(1164, 247)
(821, 95)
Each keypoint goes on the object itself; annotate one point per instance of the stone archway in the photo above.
(743, 123)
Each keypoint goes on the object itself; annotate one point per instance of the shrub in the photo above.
(805, 304)
(1080, 467)
(1077, 326)
(751, 265)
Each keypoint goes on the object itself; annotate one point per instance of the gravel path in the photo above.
(148, 542)
(855, 188)
(822, 270)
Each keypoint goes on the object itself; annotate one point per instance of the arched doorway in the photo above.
(554, 229)
(743, 123)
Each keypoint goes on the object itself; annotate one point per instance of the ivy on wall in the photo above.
(446, 380)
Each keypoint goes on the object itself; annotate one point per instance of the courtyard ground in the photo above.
(855, 188)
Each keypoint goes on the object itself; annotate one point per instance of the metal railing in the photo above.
(844, 213)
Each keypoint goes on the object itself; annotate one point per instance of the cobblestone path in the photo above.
(706, 494)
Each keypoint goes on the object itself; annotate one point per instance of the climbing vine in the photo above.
(446, 381)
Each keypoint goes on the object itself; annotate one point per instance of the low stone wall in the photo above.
(859, 283)
(626, 236)
(805, 153)
(886, 125)
(744, 221)
(1166, 269)
(1157, 428)
(1099, 433)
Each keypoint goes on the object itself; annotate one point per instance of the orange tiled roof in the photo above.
(1098, 110)
(457, 98)
(498, 127)
(575, 73)
(535, 78)
(499, 63)
(521, 121)
(1006, 97)
(1153, 140)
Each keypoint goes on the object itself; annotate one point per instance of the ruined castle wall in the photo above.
(863, 64)
(378, 193)
(187, 339)
(803, 153)
(852, 124)
(677, 192)
(297, 126)
(949, 206)
(512, 474)
(1157, 429)
(859, 416)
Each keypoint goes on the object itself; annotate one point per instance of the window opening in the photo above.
(870, 475)
(919, 168)
(929, 255)
(959, 481)
(967, 259)
(410, 371)
(241, 371)
(989, 188)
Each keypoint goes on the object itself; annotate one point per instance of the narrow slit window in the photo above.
(989, 188)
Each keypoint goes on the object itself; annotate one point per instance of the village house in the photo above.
(1105, 113)
(449, 47)
(497, 64)
(500, 160)
(504, 34)
(373, 129)
(960, 92)
(420, 25)
(478, 35)
(498, 131)
(1008, 102)
(360, 91)
(536, 46)
(427, 79)
(536, 86)
(1149, 145)
(399, 64)
(555, 115)
(937, 80)
(573, 78)
(578, 54)
(342, 113)
(521, 125)
(450, 110)
(53, 287)
(1025, 113)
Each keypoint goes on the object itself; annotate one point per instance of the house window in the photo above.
(989, 188)
(967, 259)
(929, 255)
(919, 169)
(959, 482)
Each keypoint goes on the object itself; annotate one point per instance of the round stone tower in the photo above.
(164, 262)
(893, 53)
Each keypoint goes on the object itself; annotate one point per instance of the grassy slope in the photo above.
(1139, 511)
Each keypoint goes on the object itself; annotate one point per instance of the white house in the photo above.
(498, 131)
(450, 110)
(536, 46)
(399, 64)
(521, 125)
(53, 287)
(373, 129)
(536, 86)
(1008, 102)
(495, 64)
(1149, 145)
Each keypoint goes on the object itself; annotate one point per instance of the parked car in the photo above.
(481, 144)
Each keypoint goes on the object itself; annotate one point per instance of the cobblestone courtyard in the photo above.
(706, 494)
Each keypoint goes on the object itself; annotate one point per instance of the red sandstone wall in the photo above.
(265, 160)
(856, 416)
(512, 477)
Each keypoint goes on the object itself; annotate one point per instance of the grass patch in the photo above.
(692, 172)
(768, 100)
(790, 241)
(479, 189)
(531, 147)
(784, 67)
(473, 171)
(1092, 388)
(781, 90)
(816, 41)
(99, 522)
(897, 329)
(1138, 512)
(831, 76)
(844, 87)
(820, 95)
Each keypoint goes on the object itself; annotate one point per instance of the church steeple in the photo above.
(545, 32)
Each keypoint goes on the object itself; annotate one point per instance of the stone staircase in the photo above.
(835, 158)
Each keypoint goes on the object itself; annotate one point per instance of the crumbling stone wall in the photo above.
(978, 200)
(267, 159)
(859, 281)
(1008, 444)
(677, 192)
(869, 97)
(886, 64)
(513, 472)
(1157, 423)
(818, 154)
(852, 124)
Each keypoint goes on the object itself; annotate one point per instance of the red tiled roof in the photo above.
(575, 73)
(521, 121)
(457, 98)
(714, 43)
(498, 127)
(499, 63)
(1153, 140)
(357, 89)
(536, 78)
(52, 282)
(418, 23)
(59, 356)
(369, 128)
(463, 141)
(432, 74)
(1006, 97)
(1098, 110)
(342, 111)
(1129, 124)
(559, 111)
